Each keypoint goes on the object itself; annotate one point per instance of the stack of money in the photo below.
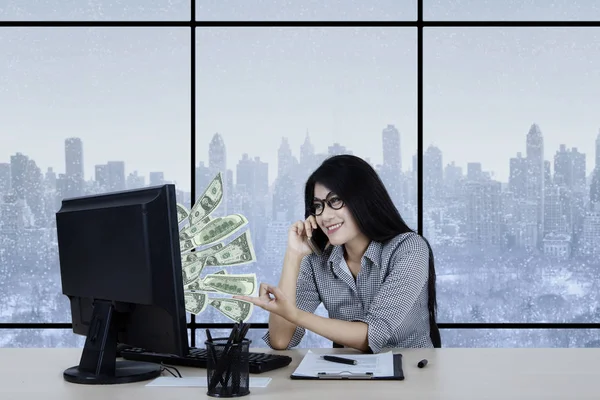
(201, 245)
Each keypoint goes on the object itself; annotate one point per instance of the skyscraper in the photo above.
(217, 155)
(391, 171)
(285, 159)
(595, 186)
(433, 174)
(474, 171)
(74, 166)
(391, 148)
(517, 180)
(535, 175)
(217, 162)
(18, 172)
(4, 178)
(569, 168)
(597, 163)
(116, 175)
(157, 178)
(307, 152)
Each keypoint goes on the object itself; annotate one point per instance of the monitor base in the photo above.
(125, 372)
(98, 364)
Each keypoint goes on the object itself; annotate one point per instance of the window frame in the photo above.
(419, 24)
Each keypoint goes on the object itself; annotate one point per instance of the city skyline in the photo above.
(590, 158)
(89, 170)
(486, 238)
(113, 88)
(126, 93)
(483, 88)
(486, 86)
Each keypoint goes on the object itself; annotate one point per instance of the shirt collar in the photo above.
(373, 253)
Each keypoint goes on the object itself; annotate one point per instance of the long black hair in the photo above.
(365, 195)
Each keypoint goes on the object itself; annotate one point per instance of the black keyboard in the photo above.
(259, 362)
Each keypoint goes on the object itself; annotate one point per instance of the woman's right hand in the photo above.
(299, 234)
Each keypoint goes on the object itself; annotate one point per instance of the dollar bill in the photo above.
(218, 229)
(234, 309)
(243, 284)
(190, 231)
(182, 213)
(192, 271)
(195, 302)
(195, 256)
(239, 251)
(209, 201)
(198, 285)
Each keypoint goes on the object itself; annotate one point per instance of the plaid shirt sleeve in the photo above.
(307, 298)
(408, 274)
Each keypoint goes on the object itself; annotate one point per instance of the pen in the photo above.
(339, 360)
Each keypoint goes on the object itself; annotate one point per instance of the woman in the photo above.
(375, 276)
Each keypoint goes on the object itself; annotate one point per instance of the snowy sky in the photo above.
(121, 88)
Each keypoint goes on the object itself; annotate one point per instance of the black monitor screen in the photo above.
(119, 254)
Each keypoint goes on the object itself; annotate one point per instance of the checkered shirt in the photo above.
(389, 295)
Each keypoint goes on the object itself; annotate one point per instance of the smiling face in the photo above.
(339, 225)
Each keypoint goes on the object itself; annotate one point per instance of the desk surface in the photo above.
(451, 374)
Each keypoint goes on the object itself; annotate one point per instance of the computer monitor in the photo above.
(120, 267)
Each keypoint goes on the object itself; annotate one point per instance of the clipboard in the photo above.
(398, 374)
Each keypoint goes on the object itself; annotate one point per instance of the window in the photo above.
(306, 10)
(503, 131)
(511, 10)
(94, 10)
(83, 111)
(515, 338)
(40, 338)
(510, 139)
(305, 94)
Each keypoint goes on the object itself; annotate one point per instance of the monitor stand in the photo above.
(98, 364)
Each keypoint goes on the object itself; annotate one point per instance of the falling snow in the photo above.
(493, 264)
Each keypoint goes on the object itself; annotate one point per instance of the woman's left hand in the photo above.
(272, 299)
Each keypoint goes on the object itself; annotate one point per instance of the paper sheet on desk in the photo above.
(379, 364)
(199, 381)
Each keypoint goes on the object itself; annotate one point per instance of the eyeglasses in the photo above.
(318, 205)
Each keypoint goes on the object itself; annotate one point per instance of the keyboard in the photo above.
(258, 362)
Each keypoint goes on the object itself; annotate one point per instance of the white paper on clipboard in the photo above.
(377, 364)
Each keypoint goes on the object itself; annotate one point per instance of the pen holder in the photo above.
(227, 371)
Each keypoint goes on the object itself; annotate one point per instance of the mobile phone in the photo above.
(318, 242)
(313, 246)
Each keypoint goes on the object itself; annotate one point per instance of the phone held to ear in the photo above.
(313, 246)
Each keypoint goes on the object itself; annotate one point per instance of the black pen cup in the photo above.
(227, 370)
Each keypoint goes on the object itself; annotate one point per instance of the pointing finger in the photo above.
(254, 300)
(249, 299)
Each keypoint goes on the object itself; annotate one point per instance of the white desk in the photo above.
(507, 374)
